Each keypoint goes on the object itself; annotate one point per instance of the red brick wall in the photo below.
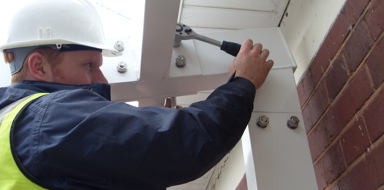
(342, 98)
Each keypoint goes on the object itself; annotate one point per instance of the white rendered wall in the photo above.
(229, 172)
(305, 25)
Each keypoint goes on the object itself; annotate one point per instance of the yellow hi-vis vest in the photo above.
(11, 178)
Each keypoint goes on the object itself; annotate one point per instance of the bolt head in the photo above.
(119, 46)
(293, 122)
(181, 61)
(122, 67)
(262, 121)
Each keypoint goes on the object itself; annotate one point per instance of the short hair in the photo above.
(52, 56)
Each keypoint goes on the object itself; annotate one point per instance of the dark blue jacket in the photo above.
(76, 138)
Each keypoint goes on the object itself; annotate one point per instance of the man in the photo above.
(60, 130)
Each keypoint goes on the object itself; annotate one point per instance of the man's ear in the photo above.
(39, 69)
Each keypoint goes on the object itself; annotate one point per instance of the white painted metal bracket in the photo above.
(206, 66)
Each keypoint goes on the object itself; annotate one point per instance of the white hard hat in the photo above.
(66, 25)
(57, 22)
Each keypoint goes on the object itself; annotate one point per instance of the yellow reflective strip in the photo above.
(11, 178)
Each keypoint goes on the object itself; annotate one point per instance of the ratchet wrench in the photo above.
(184, 32)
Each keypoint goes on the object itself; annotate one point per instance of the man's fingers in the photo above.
(246, 46)
(257, 48)
(270, 64)
(167, 103)
(264, 54)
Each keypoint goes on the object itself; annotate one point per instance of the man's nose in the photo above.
(99, 77)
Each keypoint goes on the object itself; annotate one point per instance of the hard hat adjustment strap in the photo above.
(21, 53)
(76, 47)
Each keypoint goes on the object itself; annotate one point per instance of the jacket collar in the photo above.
(38, 86)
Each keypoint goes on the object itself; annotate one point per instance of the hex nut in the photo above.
(262, 121)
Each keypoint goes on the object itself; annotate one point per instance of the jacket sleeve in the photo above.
(84, 139)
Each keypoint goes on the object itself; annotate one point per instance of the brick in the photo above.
(332, 164)
(351, 100)
(305, 87)
(353, 9)
(336, 77)
(301, 93)
(374, 116)
(354, 141)
(318, 140)
(333, 129)
(368, 173)
(375, 17)
(336, 35)
(321, 184)
(335, 188)
(243, 183)
(357, 47)
(318, 103)
(319, 64)
(307, 119)
(375, 64)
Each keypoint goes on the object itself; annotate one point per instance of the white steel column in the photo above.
(277, 157)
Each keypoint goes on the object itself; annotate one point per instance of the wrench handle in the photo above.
(231, 48)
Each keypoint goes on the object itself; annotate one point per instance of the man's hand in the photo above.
(168, 104)
(251, 63)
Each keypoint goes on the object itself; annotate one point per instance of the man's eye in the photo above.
(88, 65)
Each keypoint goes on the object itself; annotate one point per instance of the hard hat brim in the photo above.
(107, 51)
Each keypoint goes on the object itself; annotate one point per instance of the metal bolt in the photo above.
(262, 121)
(122, 67)
(293, 122)
(119, 46)
(181, 61)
